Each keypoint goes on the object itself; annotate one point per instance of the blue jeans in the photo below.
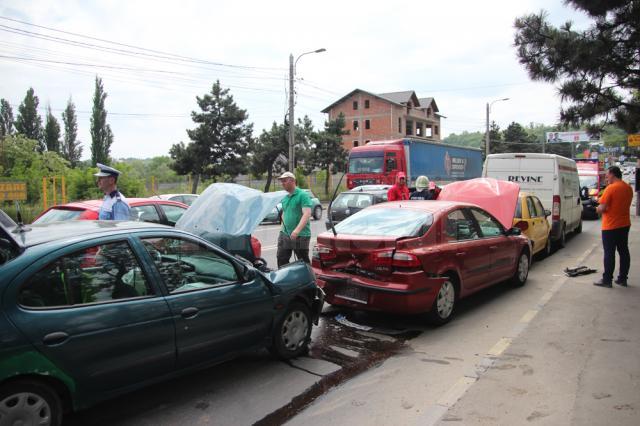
(612, 240)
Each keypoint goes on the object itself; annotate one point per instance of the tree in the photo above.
(71, 147)
(328, 152)
(269, 152)
(28, 122)
(220, 142)
(516, 133)
(494, 132)
(101, 135)
(6, 119)
(596, 69)
(52, 132)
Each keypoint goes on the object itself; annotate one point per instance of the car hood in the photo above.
(292, 276)
(498, 197)
(228, 208)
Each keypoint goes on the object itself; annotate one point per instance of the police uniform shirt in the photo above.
(114, 207)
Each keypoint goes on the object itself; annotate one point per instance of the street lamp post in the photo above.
(292, 135)
(487, 141)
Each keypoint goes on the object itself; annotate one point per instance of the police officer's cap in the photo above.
(106, 171)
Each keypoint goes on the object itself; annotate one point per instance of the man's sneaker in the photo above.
(603, 283)
(620, 282)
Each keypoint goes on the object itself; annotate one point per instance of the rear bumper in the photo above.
(414, 296)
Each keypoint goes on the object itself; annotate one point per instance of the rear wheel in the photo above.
(579, 228)
(30, 403)
(562, 241)
(547, 248)
(443, 307)
(317, 212)
(522, 270)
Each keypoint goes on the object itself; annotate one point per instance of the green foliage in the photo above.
(101, 135)
(52, 132)
(596, 69)
(467, 139)
(301, 179)
(128, 183)
(28, 122)
(269, 152)
(71, 147)
(6, 118)
(328, 153)
(220, 143)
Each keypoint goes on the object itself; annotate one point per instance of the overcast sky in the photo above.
(459, 52)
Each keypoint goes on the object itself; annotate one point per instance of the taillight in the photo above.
(523, 225)
(555, 213)
(405, 260)
(383, 257)
(323, 253)
(256, 247)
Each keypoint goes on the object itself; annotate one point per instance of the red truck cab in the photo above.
(378, 162)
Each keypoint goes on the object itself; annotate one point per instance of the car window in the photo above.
(173, 213)
(533, 211)
(101, 273)
(458, 227)
(488, 225)
(389, 222)
(54, 215)
(518, 213)
(147, 213)
(352, 201)
(189, 199)
(538, 206)
(186, 265)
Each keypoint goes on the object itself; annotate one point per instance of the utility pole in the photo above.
(487, 140)
(292, 134)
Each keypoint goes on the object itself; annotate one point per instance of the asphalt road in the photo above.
(362, 368)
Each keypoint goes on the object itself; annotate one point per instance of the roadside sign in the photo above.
(573, 137)
(633, 140)
(13, 191)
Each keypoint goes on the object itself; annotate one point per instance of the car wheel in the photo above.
(317, 212)
(547, 248)
(29, 402)
(579, 228)
(443, 307)
(562, 241)
(292, 334)
(522, 270)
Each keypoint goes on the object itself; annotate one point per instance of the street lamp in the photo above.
(292, 73)
(486, 145)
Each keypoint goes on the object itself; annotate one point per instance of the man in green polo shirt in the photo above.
(295, 234)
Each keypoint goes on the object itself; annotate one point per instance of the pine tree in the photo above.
(71, 148)
(221, 141)
(267, 150)
(28, 122)
(6, 118)
(101, 135)
(328, 152)
(52, 132)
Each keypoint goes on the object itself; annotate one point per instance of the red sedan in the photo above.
(410, 257)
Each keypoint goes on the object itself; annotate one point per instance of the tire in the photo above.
(29, 402)
(547, 248)
(292, 333)
(562, 241)
(317, 212)
(444, 305)
(522, 270)
(579, 227)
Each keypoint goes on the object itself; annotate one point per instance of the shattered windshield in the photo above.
(390, 222)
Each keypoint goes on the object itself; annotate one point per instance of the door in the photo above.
(536, 219)
(215, 311)
(94, 313)
(542, 224)
(495, 242)
(462, 243)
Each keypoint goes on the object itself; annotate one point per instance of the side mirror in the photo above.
(514, 231)
(248, 273)
(547, 212)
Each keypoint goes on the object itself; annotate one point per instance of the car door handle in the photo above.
(55, 338)
(461, 254)
(493, 247)
(188, 313)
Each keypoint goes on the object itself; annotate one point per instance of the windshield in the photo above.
(589, 181)
(55, 215)
(389, 222)
(351, 201)
(366, 164)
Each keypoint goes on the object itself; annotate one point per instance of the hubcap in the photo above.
(25, 408)
(523, 268)
(446, 299)
(294, 330)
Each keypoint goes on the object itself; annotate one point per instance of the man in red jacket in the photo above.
(399, 191)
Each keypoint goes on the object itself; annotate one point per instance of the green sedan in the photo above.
(94, 309)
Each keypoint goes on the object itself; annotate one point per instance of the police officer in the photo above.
(114, 204)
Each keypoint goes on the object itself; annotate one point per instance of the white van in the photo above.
(552, 178)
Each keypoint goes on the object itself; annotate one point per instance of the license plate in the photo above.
(353, 293)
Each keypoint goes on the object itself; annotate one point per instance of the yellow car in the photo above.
(531, 218)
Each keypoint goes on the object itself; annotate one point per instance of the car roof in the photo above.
(429, 206)
(369, 191)
(94, 205)
(43, 233)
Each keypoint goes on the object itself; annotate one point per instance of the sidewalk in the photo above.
(575, 361)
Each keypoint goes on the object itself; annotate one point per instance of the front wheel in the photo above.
(522, 270)
(292, 333)
(443, 307)
(30, 403)
(317, 212)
